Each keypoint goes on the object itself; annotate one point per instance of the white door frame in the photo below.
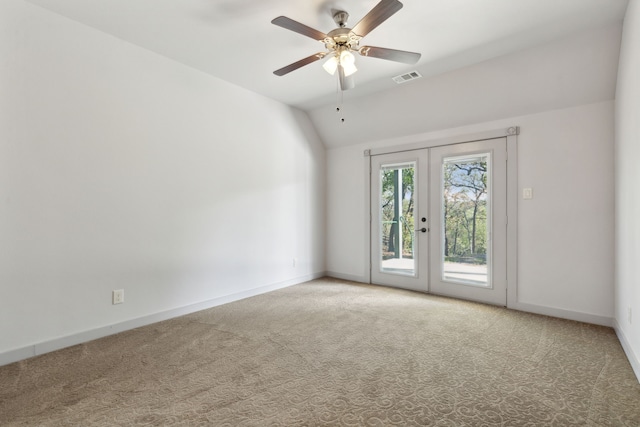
(511, 133)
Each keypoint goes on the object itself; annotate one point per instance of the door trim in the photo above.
(408, 145)
(415, 143)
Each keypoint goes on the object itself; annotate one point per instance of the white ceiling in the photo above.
(235, 40)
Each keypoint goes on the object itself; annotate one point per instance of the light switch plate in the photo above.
(527, 193)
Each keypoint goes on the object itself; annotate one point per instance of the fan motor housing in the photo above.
(342, 37)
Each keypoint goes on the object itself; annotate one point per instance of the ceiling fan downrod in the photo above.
(341, 17)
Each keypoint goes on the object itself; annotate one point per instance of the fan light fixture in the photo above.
(341, 43)
(346, 60)
(331, 65)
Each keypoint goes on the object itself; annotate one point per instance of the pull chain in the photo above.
(339, 100)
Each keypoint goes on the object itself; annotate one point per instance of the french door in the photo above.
(399, 245)
(438, 220)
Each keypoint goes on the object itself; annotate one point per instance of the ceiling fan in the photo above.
(341, 42)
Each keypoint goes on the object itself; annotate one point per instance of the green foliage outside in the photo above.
(465, 211)
(393, 215)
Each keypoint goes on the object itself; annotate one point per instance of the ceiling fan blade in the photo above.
(290, 24)
(390, 54)
(346, 82)
(376, 16)
(292, 67)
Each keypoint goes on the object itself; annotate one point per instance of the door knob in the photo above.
(423, 229)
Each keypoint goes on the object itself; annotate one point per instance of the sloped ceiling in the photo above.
(234, 40)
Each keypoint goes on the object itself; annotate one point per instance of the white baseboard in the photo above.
(530, 308)
(562, 313)
(37, 349)
(349, 277)
(633, 358)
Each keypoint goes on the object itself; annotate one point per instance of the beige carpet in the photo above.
(333, 353)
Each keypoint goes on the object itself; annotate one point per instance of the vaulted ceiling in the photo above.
(234, 40)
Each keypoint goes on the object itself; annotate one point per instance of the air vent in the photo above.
(403, 78)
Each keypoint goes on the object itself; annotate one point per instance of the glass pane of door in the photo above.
(466, 219)
(396, 210)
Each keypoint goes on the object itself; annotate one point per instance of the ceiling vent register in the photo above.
(403, 78)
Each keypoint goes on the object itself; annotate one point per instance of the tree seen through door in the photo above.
(397, 213)
(465, 219)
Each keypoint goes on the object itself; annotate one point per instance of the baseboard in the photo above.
(563, 314)
(37, 349)
(530, 308)
(349, 277)
(17, 355)
(634, 361)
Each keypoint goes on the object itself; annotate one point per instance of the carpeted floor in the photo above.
(333, 353)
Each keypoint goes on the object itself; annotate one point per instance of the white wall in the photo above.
(122, 169)
(565, 234)
(627, 291)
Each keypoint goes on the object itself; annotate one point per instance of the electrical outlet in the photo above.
(629, 314)
(117, 296)
(295, 262)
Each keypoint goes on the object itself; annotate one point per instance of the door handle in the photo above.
(423, 229)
